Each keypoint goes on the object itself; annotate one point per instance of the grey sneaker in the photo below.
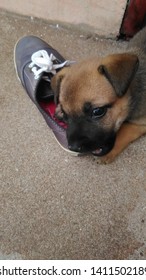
(36, 62)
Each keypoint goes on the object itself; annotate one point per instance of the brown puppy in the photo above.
(103, 100)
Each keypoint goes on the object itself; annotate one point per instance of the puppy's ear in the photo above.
(56, 83)
(120, 70)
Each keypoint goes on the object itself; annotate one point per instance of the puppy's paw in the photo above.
(106, 159)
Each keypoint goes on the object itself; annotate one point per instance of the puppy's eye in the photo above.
(98, 112)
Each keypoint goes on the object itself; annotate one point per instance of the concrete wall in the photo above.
(100, 16)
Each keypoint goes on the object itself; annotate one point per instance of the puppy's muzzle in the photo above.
(98, 143)
(98, 151)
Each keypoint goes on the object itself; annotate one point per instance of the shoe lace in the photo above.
(42, 62)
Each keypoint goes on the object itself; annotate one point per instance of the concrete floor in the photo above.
(53, 205)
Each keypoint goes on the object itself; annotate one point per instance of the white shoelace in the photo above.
(42, 62)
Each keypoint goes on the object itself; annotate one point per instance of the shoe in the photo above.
(36, 62)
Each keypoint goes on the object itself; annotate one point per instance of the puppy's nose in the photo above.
(75, 147)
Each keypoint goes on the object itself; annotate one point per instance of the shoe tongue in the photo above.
(44, 91)
(47, 77)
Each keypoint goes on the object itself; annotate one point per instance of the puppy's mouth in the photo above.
(98, 152)
(95, 151)
(103, 150)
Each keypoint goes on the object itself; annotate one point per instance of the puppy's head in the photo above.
(94, 97)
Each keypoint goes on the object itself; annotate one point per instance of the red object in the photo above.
(134, 18)
(49, 108)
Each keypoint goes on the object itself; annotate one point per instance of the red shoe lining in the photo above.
(49, 108)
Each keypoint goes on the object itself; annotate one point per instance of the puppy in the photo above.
(103, 100)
